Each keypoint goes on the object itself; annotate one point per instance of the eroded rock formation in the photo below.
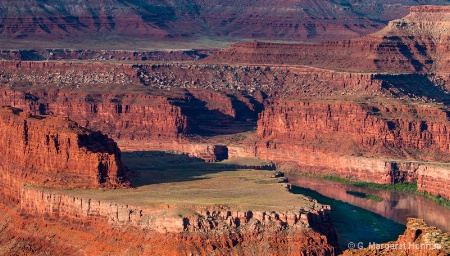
(28, 235)
(367, 128)
(54, 151)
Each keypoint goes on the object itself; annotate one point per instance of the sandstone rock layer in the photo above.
(55, 151)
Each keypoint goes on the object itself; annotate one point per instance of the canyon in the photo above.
(373, 108)
(43, 156)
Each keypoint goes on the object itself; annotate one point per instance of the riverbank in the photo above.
(360, 221)
(404, 187)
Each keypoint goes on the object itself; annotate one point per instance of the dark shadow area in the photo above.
(406, 51)
(209, 122)
(30, 55)
(220, 152)
(156, 167)
(243, 112)
(354, 224)
(15, 111)
(414, 85)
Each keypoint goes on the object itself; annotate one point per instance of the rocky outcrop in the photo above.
(205, 222)
(56, 206)
(132, 117)
(30, 235)
(54, 151)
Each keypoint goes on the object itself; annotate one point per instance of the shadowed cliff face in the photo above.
(291, 20)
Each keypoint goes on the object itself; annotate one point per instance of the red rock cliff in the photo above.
(56, 152)
(120, 116)
(386, 129)
(381, 142)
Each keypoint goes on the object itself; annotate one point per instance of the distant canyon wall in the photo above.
(416, 43)
(305, 20)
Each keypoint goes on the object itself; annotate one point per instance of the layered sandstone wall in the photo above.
(58, 206)
(120, 116)
(369, 128)
(368, 54)
(355, 141)
(30, 235)
(432, 178)
(56, 152)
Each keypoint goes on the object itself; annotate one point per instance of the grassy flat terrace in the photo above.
(180, 181)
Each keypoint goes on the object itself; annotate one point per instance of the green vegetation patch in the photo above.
(405, 187)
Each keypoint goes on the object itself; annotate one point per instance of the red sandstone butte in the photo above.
(55, 151)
